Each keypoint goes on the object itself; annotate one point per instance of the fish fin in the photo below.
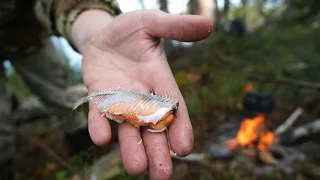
(96, 96)
(165, 94)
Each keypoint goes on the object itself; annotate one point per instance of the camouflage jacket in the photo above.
(24, 24)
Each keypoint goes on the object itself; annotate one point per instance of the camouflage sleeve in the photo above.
(64, 12)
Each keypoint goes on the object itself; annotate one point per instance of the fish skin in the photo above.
(140, 109)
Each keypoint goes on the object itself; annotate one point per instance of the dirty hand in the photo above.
(127, 52)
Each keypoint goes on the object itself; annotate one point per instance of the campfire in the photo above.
(258, 140)
(253, 133)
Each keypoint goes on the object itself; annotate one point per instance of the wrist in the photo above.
(87, 25)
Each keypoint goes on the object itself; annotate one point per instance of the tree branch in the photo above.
(191, 158)
(272, 18)
(37, 142)
(292, 82)
(289, 122)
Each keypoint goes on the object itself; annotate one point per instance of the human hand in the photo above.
(128, 53)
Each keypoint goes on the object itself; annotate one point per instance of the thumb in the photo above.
(185, 28)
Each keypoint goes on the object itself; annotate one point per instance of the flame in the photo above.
(248, 88)
(253, 133)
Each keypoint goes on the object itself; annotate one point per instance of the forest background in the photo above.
(273, 39)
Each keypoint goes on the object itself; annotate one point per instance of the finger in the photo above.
(131, 145)
(180, 129)
(176, 27)
(99, 127)
(132, 149)
(159, 159)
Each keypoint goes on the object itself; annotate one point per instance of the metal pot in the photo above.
(259, 102)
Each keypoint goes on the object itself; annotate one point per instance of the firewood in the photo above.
(289, 122)
(267, 158)
(301, 134)
(191, 158)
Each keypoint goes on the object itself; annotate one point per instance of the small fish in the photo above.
(140, 109)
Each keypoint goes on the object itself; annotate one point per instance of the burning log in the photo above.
(261, 148)
(252, 131)
(253, 135)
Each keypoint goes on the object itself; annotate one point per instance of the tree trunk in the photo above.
(215, 13)
(163, 5)
(206, 8)
(217, 19)
(216, 10)
(244, 9)
(142, 4)
(226, 8)
(260, 6)
(193, 6)
(203, 8)
(273, 18)
(166, 42)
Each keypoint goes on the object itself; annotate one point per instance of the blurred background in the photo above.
(260, 65)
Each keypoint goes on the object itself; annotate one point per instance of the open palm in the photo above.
(129, 54)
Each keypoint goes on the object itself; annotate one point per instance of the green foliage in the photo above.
(61, 175)
(228, 60)
(17, 86)
(181, 79)
(194, 106)
(231, 59)
(306, 7)
(83, 160)
(250, 14)
(126, 176)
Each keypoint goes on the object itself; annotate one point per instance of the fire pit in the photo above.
(251, 129)
(246, 140)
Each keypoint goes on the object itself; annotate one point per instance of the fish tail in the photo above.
(97, 95)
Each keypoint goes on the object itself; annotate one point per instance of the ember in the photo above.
(252, 133)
